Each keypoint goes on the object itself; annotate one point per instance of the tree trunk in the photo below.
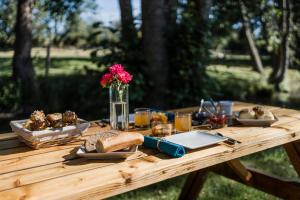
(171, 12)
(203, 7)
(280, 71)
(154, 45)
(48, 52)
(129, 33)
(258, 66)
(22, 65)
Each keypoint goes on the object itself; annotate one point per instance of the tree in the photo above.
(7, 22)
(129, 33)
(203, 7)
(279, 72)
(255, 56)
(154, 45)
(22, 64)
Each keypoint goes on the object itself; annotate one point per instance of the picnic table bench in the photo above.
(57, 173)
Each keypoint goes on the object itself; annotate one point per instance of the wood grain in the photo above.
(56, 173)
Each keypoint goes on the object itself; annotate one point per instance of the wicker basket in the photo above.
(50, 136)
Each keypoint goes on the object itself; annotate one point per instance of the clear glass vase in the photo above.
(119, 107)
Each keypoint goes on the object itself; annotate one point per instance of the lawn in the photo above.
(231, 78)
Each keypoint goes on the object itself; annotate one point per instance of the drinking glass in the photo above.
(183, 122)
(142, 117)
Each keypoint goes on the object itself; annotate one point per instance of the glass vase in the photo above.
(119, 106)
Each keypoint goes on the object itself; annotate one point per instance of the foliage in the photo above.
(110, 51)
(188, 60)
(9, 95)
(7, 21)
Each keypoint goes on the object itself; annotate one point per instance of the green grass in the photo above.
(234, 77)
(59, 66)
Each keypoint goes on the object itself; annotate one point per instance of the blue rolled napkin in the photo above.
(174, 150)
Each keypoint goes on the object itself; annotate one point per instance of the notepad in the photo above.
(195, 139)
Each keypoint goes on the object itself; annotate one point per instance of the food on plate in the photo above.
(109, 142)
(90, 142)
(162, 130)
(257, 112)
(159, 117)
(262, 113)
(55, 120)
(69, 118)
(247, 114)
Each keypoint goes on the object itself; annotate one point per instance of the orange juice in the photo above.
(183, 122)
(142, 118)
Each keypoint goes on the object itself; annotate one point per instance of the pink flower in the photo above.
(124, 77)
(116, 69)
(106, 79)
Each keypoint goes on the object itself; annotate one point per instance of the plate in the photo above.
(105, 156)
(257, 122)
(195, 139)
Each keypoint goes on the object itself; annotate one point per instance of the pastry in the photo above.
(114, 142)
(246, 114)
(55, 120)
(27, 124)
(69, 118)
(90, 142)
(38, 121)
(159, 117)
(259, 111)
(268, 115)
(162, 130)
(262, 113)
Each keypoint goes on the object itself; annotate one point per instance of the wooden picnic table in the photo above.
(57, 173)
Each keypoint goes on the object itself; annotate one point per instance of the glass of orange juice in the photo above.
(183, 122)
(142, 117)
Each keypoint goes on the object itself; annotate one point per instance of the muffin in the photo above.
(37, 121)
(69, 118)
(55, 120)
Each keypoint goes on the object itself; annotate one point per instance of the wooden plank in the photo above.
(240, 170)
(14, 153)
(7, 136)
(293, 151)
(11, 143)
(251, 140)
(193, 185)
(36, 158)
(50, 171)
(60, 156)
(277, 186)
(125, 176)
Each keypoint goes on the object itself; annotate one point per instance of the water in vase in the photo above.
(119, 115)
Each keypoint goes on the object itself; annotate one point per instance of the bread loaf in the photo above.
(115, 142)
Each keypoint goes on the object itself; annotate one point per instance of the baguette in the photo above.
(118, 141)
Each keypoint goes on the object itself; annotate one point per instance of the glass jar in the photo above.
(119, 106)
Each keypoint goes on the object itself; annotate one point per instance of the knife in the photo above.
(229, 139)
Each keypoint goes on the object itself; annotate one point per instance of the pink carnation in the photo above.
(124, 77)
(116, 69)
(106, 79)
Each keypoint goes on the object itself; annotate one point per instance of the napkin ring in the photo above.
(158, 142)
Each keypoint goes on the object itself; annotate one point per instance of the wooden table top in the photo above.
(57, 173)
